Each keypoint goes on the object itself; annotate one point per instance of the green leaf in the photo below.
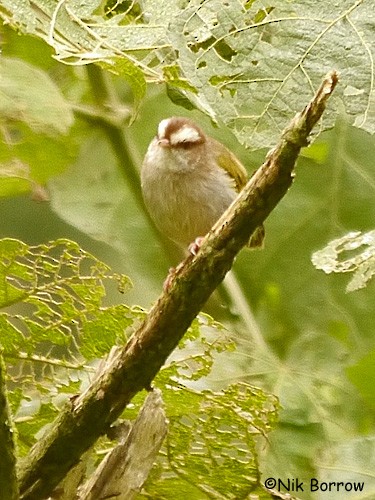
(30, 419)
(63, 287)
(107, 329)
(59, 324)
(27, 165)
(133, 75)
(27, 94)
(35, 117)
(9, 251)
(250, 68)
(217, 434)
(252, 72)
(179, 98)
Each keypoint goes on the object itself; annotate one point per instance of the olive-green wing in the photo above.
(232, 165)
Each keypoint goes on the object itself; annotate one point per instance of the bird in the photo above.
(188, 180)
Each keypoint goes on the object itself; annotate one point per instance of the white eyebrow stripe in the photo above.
(185, 134)
(163, 127)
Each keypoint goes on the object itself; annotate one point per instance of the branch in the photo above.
(134, 366)
(8, 476)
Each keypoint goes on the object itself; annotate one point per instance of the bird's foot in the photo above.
(193, 249)
(195, 246)
(171, 274)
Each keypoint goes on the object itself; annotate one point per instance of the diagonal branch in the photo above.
(133, 367)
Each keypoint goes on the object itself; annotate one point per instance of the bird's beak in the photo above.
(164, 143)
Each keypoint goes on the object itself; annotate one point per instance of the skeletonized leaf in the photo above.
(352, 253)
(247, 65)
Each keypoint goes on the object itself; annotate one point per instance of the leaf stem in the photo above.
(107, 99)
(233, 287)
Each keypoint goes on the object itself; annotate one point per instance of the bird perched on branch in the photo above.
(188, 180)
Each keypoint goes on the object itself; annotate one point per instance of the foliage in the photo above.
(56, 329)
(361, 263)
(215, 52)
(319, 340)
(56, 325)
(219, 435)
(250, 66)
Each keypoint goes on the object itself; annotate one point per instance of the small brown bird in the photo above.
(188, 180)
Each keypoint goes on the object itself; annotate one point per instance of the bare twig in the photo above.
(136, 364)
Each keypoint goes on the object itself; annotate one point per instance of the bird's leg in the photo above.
(172, 271)
(193, 249)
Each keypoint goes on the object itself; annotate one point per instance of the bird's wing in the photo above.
(232, 165)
